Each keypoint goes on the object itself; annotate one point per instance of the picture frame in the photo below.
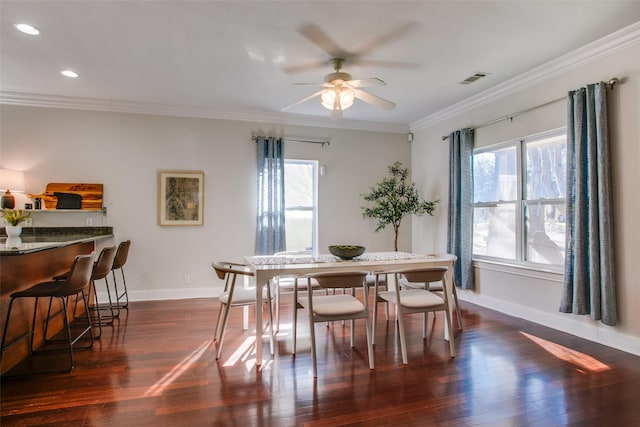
(180, 198)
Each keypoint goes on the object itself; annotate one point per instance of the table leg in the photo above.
(260, 281)
(449, 290)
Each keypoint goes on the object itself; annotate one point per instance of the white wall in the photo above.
(520, 292)
(126, 151)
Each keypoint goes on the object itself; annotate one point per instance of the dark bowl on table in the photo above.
(346, 251)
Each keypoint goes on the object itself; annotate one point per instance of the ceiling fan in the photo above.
(340, 91)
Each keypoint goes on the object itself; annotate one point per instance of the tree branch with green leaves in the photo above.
(393, 198)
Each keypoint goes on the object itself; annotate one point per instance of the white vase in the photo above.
(13, 242)
(13, 230)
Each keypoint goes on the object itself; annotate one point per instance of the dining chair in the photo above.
(435, 287)
(409, 301)
(237, 296)
(344, 306)
(76, 283)
(287, 284)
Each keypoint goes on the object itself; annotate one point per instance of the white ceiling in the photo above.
(242, 57)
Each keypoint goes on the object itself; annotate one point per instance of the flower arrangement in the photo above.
(15, 217)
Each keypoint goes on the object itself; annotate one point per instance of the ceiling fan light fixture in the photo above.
(337, 98)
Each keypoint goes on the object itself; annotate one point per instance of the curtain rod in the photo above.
(326, 141)
(611, 83)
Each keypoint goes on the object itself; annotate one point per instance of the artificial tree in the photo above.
(393, 198)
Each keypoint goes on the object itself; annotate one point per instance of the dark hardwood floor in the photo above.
(156, 367)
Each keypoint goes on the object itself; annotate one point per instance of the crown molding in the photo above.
(118, 106)
(600, 48)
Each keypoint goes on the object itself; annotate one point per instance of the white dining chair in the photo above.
(409, 301)
(435, 287)
(341, 306)
(235, 296)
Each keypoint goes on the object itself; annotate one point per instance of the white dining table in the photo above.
(266, 268)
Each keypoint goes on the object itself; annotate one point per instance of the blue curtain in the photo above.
(589, 283)
(460, 230)
(270, 234)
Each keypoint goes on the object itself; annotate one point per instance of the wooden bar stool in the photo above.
(76, 283)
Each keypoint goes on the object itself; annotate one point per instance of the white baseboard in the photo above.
(580, 326)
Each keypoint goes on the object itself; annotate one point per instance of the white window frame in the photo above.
(314, 208)
(520, 202)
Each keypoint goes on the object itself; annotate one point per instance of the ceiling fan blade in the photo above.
(305, 99)
(395, 33)
(374, 100)
(386, 64)
(325, 84)
(306, 67)
(374, 81)
(323, 41)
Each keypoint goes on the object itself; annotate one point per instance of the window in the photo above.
(519, 200)
(300, 199)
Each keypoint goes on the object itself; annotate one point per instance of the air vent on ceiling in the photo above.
(473, 78)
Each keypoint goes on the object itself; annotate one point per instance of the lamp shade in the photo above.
(11, 180)
(345, 99)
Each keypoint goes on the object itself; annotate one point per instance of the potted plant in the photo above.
(393, 198)
(14, 218)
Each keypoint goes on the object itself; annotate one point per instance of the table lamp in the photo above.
(10, 180)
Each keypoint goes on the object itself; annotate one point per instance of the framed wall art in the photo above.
(181, 198)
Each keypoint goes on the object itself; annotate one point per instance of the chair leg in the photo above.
(455, 299)
(312, 327)
(92, 286)
(225, 318)
(452, 346)
(215, 332)
(425, 326)
(68, 329)
(124, 294)
(403, 344)
(369, 342)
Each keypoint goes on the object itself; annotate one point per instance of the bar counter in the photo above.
(44, 252)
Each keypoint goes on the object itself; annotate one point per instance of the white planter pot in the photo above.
(13, 230)
(13, 243)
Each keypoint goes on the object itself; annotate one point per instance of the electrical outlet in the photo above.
(187, 279)
(88, 222)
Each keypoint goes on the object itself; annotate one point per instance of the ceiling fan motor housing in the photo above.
(345, 77)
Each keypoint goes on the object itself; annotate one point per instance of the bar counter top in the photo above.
(34, 239)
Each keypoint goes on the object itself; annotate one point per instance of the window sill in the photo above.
(549, 274)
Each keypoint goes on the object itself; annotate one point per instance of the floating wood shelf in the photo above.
(91, 195)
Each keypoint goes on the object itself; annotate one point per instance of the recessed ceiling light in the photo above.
(69, 73)
(27, 29)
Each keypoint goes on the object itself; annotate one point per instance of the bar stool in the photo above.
(75, 284)
(100, 271)
(118, 264)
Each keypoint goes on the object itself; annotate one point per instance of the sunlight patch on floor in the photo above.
(582, 360)
(158, 388)
(242, 353)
